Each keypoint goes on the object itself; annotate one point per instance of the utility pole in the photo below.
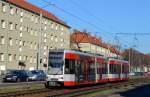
(132, 34)
(129, 60)
(39, 44)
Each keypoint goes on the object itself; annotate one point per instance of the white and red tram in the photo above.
(117, 70)
(74, 68)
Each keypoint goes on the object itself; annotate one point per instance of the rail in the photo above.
(74, 92)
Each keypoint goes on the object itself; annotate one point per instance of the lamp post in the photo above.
(39, 58)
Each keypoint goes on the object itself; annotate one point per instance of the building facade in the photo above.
(26, 32)
(86, 42)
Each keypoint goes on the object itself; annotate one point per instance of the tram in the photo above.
(75, 68)
(117, 70)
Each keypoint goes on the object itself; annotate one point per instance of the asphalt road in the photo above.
(20, 83)
(140, 91)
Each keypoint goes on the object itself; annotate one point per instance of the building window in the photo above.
(10, 57)
(16, 41)
(3, 7)
(20, 34)
(45, 47)
(16, 26)
(11, 10)
(2, 40)
(34, 60)
(45, 27)
(45, 40)
(56, 40)
(21, 19)
(36, 20)
(27, 58)
(32, 18)
(35, 33)
(11, 25)
(52, 25)
(31, 59)
(3, 23)
(45, 22)
(23, 43)
(62, 40)
(15, 56)
(17, 11)
(31, 45)
(45, 35)
(20, 43)
(62, 28)
(21, 14)
(24, 58)
(44, 53)
(31, 31)
(44, 60)
(20, 57)
(20, 49)
(56, 27)
(51, 37)
(27, 29)
(1, 57)
(10, 42)
(35, 46)
(21, 28)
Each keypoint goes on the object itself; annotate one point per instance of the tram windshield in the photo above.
(55, 63)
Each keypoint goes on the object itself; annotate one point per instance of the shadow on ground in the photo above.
(139, 91)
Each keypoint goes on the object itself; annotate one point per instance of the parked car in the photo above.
(31, 77)
(16, 76)
(39, 75)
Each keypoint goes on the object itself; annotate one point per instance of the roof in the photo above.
(28, 6)
(83, 37)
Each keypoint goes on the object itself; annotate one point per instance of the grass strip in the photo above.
(21, 88)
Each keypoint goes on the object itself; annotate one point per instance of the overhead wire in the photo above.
(83, 20)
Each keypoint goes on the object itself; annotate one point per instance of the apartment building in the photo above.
(24, 28)
(86, 42)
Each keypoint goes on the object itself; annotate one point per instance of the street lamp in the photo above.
(40, 40)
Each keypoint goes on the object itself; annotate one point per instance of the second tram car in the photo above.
(117, 70)
(74, 68)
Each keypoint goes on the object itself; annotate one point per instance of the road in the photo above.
(20, 83)
(138, 91)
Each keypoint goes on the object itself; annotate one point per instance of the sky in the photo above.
(105, 18)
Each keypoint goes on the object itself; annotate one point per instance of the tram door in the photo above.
(91, 69)
(85, 69)
(79, 71)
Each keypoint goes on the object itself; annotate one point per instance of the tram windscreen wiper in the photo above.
(58, 71)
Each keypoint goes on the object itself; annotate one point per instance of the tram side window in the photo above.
(91, 67)
(125, 69)
(101, 68)
(69, 66)
(119, 69)
(105, 72)
(113, 68)
(98, 68)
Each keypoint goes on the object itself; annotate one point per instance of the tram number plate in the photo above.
(52, 83)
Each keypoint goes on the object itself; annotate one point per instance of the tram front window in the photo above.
(69, 66)
(55, 64)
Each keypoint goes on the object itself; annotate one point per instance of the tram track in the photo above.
(74, 92)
